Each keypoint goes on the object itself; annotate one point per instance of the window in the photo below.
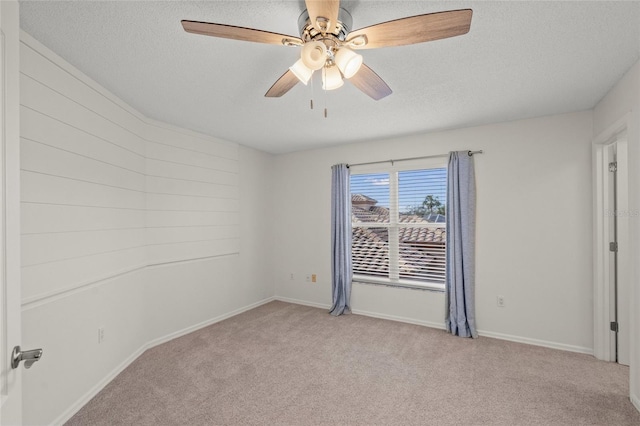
(398, 225)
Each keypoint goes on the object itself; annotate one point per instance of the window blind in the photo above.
(398, 222)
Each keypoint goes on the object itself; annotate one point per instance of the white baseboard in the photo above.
(517, 339)
(536, 342)
(303, 302)
(190, 329)
(75, 407)
(361, 312)
(407, 320)
(440, 326)
(635, 401)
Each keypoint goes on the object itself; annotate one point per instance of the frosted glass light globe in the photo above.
(300, 70)
(348, 61)
(331, 78)
(314, 54)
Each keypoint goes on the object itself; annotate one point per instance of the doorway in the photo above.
(611, 249)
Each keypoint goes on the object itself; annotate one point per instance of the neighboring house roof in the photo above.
(423, 235)
(358, 198)
(421, 249)
(379, 214)
(369, 214)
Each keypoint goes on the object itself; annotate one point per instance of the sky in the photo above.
(413, 186)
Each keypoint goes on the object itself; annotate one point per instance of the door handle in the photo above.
(29, 357)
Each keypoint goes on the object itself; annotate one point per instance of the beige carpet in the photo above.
(295, 365)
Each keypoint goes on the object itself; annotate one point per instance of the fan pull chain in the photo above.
(312, 92)
(325, 104)
(324, 93)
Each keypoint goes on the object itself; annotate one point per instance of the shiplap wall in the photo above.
(128, 224)
(191, 198)
(105, 192)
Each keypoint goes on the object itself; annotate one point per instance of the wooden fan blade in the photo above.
(283, 85)
(237, 33)
(327, 10)
(416, 29)
(370, 83)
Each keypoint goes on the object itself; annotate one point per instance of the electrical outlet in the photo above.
(291, 276)
(500, 300)
(308, 278)
(100, 334)
(313, 278)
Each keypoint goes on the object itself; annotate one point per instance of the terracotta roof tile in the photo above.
(421, 249)
(356, 198)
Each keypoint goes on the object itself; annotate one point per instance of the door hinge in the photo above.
(613, 166)
(613, 247)
(614, 326)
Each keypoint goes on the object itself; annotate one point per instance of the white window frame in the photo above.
(393, 226)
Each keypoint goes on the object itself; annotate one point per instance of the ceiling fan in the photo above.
(329, 45)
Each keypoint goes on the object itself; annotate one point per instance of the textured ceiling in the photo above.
(521, 59)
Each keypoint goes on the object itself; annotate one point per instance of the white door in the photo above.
(619, 226)
(612, 263)
(612, 227)
(10, 378)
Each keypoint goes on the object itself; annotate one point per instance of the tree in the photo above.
(431, 204)
(415, 210)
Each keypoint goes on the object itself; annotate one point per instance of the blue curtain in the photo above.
(461, 230)
(341, 270)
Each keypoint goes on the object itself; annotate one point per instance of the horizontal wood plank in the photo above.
(48, 218)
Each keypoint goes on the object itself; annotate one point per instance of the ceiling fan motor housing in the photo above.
(308, 31)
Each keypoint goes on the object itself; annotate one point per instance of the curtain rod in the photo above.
(469, 153)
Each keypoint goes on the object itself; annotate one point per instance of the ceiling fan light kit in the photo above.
(331, 78)
(328, 43)
(325, 51)
(314, 55)
(301, 71)
(348, 61)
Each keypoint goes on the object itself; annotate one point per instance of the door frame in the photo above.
(10, 285)
(617, 133)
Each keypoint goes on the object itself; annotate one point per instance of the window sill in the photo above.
(399, 283)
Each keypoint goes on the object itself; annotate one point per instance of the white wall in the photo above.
(128, 224)
(623, 102)
(533, 229)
